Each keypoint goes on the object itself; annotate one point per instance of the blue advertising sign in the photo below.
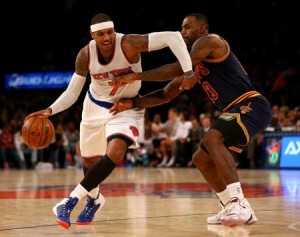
(290, 152)
(37, 80)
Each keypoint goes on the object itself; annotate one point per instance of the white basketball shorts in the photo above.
(98, 124)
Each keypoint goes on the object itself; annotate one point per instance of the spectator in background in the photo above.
(193, 138)
(167, 144)
(145, 136)
(158, 134)
(21, 147)
(9, 156)
(286, 87)
(275, 115)
(297, 110)
(61, 145)
(72, 135)
(205, 124)
(3, 117)
(181, 141)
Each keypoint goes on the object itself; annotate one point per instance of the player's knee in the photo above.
(88, 162)
(116, 156)
(200, 158)
(212, 139)
(117, 151)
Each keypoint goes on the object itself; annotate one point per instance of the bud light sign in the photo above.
(290, 152)
(37, 80)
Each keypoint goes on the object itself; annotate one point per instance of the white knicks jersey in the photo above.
(101, 74)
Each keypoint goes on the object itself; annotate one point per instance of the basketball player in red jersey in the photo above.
(109, 54)
(245, 113)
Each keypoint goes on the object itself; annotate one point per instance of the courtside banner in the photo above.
(281, 149)
(290, 152)
(36, 80)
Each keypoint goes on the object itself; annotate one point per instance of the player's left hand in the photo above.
(121, 105)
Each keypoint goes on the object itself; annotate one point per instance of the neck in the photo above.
(105, 56)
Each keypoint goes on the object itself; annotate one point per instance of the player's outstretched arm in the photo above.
(70, 95)
(159, 40)
(163, 73)
(155, 98)
(134, 44)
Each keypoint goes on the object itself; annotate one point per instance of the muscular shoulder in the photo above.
(209, 47)
(216, 40)
(82, 62)
(209, 41)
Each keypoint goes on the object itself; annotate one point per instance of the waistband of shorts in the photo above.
(104, 104)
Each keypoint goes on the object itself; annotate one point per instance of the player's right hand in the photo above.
(124, 79)
(121, 105)
(45, 112)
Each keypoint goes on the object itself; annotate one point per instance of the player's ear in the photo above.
(91, 33)
(202, 27)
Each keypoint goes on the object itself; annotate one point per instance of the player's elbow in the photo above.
(74, 96)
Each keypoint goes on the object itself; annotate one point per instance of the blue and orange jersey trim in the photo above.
(239, 121)
(241, 98)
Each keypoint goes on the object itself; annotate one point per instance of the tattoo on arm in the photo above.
(82, 62)
(139, 42)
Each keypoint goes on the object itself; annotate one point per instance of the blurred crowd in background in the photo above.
(47, 37)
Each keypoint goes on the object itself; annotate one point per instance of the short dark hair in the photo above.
(199, 17)
(100, 17)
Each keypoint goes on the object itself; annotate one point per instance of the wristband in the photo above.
(188, 76)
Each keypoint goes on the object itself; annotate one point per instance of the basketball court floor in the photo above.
(142, 202)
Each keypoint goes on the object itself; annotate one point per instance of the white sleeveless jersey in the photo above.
(101, 74)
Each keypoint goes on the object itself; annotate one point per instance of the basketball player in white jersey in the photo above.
(102, 134)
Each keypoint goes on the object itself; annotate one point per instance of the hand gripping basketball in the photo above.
(37, 131)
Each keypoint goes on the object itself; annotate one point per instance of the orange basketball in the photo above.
(38, 132)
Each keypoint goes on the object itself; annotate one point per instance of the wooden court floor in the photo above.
(148, 202)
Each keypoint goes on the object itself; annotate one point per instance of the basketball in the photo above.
(38, 132)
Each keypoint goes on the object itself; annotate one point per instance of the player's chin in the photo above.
(186, 40)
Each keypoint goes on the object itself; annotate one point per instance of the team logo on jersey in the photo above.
(134, 131)
(245, 109)
(200, 72)
(116, 72)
